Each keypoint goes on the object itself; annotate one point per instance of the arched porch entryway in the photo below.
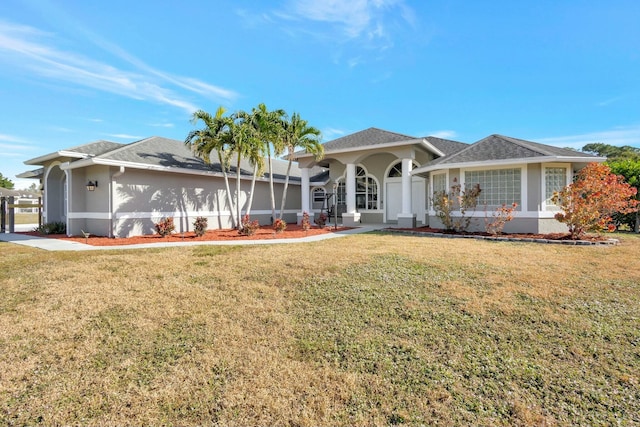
(55, 195)
(393, 193)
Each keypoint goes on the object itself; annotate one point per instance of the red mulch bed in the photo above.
(548, 236)
(263, 233)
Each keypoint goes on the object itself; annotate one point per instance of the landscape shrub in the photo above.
(279, 225)
(321, 220)
(305, 223)
(457, 200)
(200, 226)
(248, 227)
(165, 226)
(56, 227)
(499, 218)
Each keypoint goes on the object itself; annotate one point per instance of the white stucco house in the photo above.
(372, 176)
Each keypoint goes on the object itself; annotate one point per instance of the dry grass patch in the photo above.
(363, 330)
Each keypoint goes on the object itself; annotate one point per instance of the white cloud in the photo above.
(162, 125)
(329, 134)
(371, 24)
(10, 153)
(444, 134)
(61, 129)
(353, 16)
(22, 47)
(11, 138)
(609, 101)
(125, 136)
(623, 135)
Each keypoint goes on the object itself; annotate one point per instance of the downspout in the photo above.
(112, 214)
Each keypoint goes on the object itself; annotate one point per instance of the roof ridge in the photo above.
(530, 145)
(129, 145)
(392, 132)
(75, 147)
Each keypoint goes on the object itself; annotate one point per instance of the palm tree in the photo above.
(298, 134)
(253, 150)
(213, 137)
(237, 141)
(269, 126)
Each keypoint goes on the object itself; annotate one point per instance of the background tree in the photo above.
(590, 201)
(6, 182)
(630, 170)
(612, 152)
(623, 161)
(297, 134)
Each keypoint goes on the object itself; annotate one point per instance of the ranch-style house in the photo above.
(372, 176)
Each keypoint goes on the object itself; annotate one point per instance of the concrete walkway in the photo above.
(65, 245)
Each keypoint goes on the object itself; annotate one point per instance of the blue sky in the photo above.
(565, 73)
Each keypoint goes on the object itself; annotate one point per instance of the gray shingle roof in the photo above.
(157, 151)
(171, 153)
(366, 138)
(447, 146)
(499, 147)
(95, 148)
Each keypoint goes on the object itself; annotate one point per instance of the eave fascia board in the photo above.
(51, 156)
(417, 141)
(506, 162)
(319, 183)
(432, 148)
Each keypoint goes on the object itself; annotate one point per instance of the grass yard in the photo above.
(371, 329)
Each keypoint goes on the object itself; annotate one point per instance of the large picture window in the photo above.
(499, 186)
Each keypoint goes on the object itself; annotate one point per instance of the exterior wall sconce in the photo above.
(91, 185)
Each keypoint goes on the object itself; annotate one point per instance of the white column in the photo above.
(305, 190)
(350, 187)
(406, 185)
(407, 218)
(351, 218)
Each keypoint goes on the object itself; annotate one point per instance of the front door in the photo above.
(393, 201)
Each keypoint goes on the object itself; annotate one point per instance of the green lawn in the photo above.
(366, 330)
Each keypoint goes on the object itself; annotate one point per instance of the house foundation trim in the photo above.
(406, 220)
(351, 219)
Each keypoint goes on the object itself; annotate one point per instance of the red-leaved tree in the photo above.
(589, 202)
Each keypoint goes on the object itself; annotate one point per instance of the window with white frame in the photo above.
(341, 192)
(498, 186)
(318, 195)
(396, 170)
(439, 183)
(555, 179)
(366, 190)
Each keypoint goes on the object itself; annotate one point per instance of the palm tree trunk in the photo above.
(271, 190)
(284, 190)
(239, 219)
(253, 186)
(234, 224)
